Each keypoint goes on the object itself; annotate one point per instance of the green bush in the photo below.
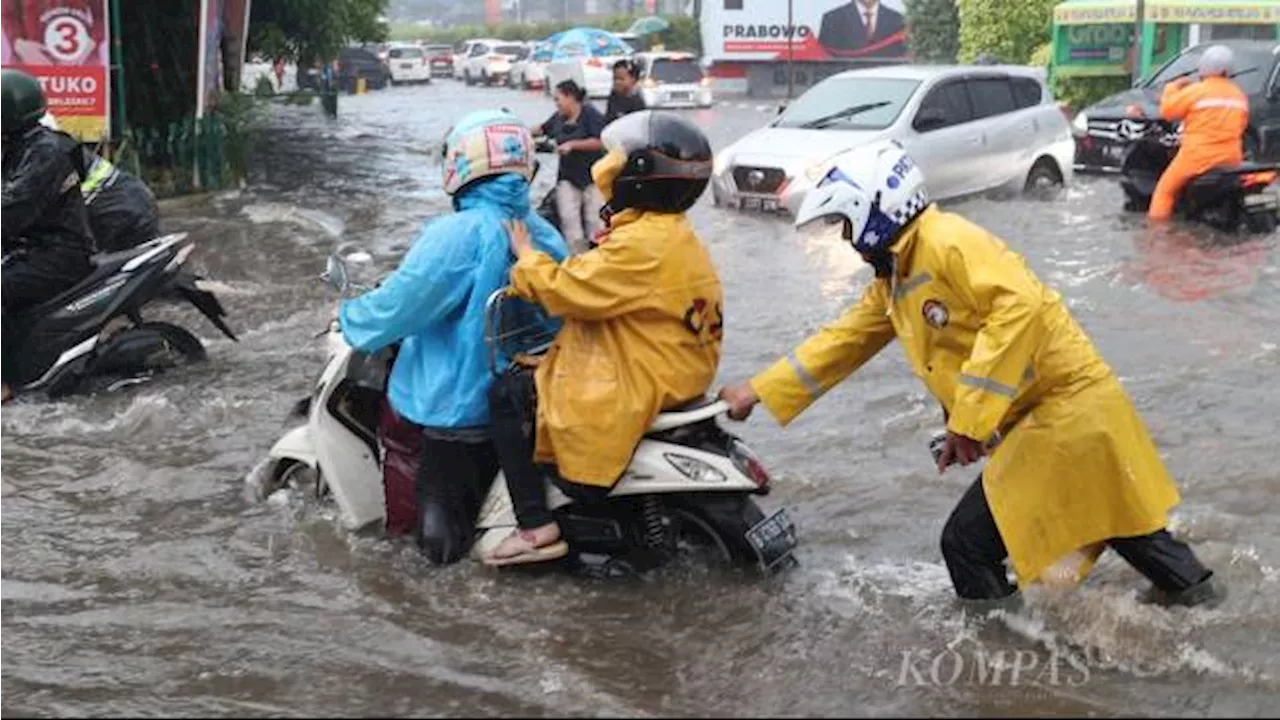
(1011, 30)
(1078, 92)
(934, 30)
(682, 35)
(1081, 92)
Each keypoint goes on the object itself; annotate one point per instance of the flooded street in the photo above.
(141, 578)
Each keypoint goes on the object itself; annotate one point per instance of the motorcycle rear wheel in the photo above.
(137, 351)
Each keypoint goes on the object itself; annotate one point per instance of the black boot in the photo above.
(1208, 593)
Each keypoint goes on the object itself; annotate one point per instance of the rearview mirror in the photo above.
(930, 118)
(335, 274)
(337, 271)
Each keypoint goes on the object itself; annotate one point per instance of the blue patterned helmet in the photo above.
(484, 144)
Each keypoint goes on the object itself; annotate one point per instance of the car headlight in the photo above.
(1081, 123)
(719, 162)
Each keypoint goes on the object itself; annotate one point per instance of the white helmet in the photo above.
(1216, 60)
(876, 189)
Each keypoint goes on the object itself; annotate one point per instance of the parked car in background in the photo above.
(970, 128)
(408, 64)
(1255, 69)
(461, 52)
(439, 59)
(531, 71)
(361, 62)
(489, 61)
(353, 63)
(594, 72)
(673, 79)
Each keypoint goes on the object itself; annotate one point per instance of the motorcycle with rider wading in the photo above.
(1224, 198)
(690, 484)
(94, 332)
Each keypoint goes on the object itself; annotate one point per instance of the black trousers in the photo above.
(453, 479)
(28, 280)
(513, 408)
(975, 553)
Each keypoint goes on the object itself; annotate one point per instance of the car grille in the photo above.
(1104, 129)
(758, 179)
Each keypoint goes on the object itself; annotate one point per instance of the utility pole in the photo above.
(791, 33)
(1138, 29)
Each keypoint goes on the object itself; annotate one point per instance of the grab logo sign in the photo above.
(67, 39)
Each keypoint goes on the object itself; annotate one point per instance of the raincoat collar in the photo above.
(509, 193)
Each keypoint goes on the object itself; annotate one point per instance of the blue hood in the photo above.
(508, 193)
(433, 305)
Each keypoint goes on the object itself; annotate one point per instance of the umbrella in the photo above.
(648, 26)
(586, 41)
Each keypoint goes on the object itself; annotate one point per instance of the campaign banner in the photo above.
(66, 45)
(818, 30)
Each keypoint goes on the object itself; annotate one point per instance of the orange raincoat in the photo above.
(1215, 114)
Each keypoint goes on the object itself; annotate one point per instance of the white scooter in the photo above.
(689, 483)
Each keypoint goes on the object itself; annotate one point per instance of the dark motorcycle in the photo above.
(95, 331)
(1225, 198)
(547, 208)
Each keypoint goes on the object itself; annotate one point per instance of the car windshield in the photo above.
(829, 97)
(409, 52)
(683, 70)
(511, 51)
(1248, 69)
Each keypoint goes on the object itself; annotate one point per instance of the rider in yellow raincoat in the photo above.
(642, 317)
(1071, 467)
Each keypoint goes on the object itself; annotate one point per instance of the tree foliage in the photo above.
(1011, 30)
(934, 35)
(307, 30)
(682, 35)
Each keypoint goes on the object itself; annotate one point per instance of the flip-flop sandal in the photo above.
(554, 551)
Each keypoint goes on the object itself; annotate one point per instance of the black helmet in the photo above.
(657, 161)
(23, 101)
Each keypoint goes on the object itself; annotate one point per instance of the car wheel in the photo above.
(1044, 175)
(466, 76)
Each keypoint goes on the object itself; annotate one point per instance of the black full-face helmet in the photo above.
(656, 161)
(22, 100)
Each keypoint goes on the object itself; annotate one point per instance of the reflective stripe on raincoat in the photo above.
(642, 328)
(435, 303)
(1001, 353)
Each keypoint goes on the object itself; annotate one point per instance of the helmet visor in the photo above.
(823, 230)
(674, 148)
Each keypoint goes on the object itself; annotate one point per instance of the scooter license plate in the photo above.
(757, 203)
(773, 539)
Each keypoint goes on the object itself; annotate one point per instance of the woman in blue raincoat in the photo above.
(433, 305)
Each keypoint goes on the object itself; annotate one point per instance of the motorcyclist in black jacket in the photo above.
(122, 210)
(45, 233)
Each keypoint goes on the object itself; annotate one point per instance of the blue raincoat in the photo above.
(434, 302)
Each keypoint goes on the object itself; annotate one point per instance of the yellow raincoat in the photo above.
(642, 327)
(1001, 353)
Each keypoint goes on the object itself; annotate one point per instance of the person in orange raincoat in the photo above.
(1214, 113)
(643, 321)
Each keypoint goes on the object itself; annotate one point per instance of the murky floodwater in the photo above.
(138, 577)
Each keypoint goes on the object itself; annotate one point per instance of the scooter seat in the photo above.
(1245, 168)
(104, 266)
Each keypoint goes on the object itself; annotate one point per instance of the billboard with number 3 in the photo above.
(66, 45)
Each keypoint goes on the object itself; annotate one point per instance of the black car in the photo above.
(353, 63)
(1256, 69)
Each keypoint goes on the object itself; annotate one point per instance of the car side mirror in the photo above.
(930, 118)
